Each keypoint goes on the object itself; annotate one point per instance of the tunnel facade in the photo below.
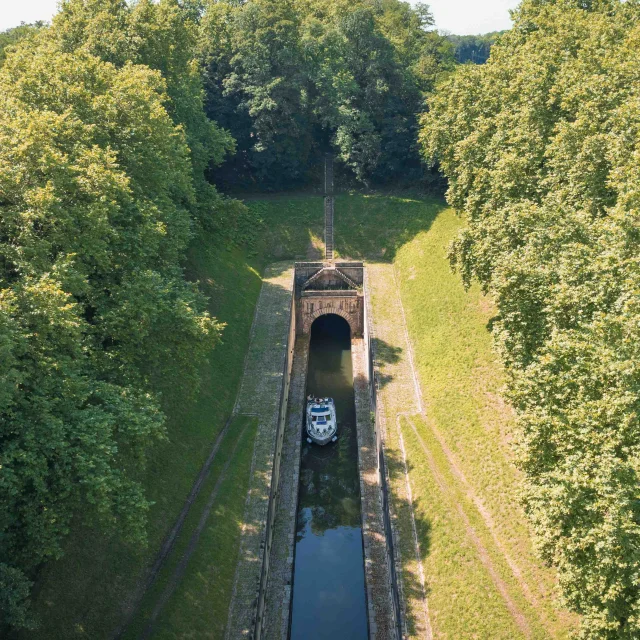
(329, 288)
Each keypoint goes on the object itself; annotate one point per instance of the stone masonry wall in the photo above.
(261, 394)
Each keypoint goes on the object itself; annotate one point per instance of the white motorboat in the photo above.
(322, 424)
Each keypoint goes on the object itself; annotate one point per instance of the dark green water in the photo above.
(329, 600)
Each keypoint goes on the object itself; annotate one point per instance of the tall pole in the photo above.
(328, 207)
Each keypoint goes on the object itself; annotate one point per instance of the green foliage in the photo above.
(13, 36)
(541, 149)
(104, 145)
(14, 594)
(162, 36)
(474, 49)
(294, 79)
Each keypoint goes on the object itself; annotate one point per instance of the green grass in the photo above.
(199, 609)
(462, 597)
(87, 592)
(375, 226)
(291, 226)
(462, 381)
(209, 576)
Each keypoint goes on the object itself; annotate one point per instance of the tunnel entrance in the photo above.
(329, 600)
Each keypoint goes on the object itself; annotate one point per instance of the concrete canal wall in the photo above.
(277, 369)
(264, 393)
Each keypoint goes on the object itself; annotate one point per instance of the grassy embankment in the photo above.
(86, 594)
(482, 577)
(466, 424)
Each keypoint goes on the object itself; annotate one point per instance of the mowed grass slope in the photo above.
(88, 593)
(199, 599)
(483, 579)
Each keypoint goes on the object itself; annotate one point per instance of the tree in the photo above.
(13, 36)
(162, 36)
(540, 146)
(474, 49)
(294, 80)
(96, 200)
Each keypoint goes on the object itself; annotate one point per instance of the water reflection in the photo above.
(329, 592)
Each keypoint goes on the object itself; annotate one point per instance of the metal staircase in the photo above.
(328, 207)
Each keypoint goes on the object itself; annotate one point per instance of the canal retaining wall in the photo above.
(264, 393)
(261, 601)
(391, 559)
(270, 525)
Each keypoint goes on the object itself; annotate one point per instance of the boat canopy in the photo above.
(319, 409)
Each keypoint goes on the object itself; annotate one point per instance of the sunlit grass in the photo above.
(462, 383)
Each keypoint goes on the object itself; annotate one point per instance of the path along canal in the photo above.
(329, 599)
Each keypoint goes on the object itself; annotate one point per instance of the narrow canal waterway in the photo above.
(329, 601)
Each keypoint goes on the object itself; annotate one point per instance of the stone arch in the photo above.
(327, 311)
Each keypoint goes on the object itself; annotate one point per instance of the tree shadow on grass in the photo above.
(405, 551)
(375, 226)
(385, 353)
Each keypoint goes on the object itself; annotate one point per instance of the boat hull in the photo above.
(322, 425)
(321, 441)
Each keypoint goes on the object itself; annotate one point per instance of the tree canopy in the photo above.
(13, 36)
(541, 149)
(474, 49)
(293, 79)
(101, 187)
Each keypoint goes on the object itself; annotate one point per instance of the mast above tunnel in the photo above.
(328, 287)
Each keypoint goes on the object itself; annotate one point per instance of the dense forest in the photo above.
(293, 80)
(115, 123)
(541, 149)
(474, 49)
(124, 124)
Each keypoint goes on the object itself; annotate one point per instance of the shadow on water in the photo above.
(329, 590)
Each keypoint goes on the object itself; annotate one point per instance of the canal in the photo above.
(329, 599)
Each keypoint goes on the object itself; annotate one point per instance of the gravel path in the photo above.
(281, 568)
(398, 394)
(377, 574)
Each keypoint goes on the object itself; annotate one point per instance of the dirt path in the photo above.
(179, 571)
(402, 395)
(485, 558)
(169, 541)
